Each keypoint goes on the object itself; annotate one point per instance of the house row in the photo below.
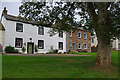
(18, 32)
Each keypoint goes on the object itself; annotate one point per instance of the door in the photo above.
(30, 48)
(73, 46)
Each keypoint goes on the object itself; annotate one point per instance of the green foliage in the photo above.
(59, 52)
(24, 48)
(36, 48)
(10, 49)
(50, 52)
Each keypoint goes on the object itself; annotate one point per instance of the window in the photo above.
(70, 44)
(85, 46)
(18, 42)
(40, 44)
(85, 36)
(70, 33)
(19, 27)
(79, 46)
(61, 34)
(60, 45)
(41, 31)
(92, 40)
(79, 35)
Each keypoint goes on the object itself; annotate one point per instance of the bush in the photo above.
(36, 48)
(50, 52)
(23, 49)
(10, 49)
(55, 51)
(59, 52)
(94, 49)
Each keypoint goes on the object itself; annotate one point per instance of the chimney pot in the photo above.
(4, 11)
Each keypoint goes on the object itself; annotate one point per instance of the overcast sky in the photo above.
(12, 7)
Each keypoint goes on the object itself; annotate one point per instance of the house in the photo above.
(94, 41)
(116, 44)
(2, 31)
(19, 32)
(79, 40)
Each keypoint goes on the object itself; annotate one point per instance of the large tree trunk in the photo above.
(103, 57)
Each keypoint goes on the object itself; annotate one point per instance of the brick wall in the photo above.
(76, 40)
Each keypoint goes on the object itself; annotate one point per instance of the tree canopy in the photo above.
(101, 17)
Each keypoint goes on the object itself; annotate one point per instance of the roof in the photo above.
(21, 19)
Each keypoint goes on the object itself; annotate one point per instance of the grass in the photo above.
(57, 67)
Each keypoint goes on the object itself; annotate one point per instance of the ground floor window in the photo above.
(79, 46)
(40, 44)
(85, 46)
(18, 42)
(60, 45)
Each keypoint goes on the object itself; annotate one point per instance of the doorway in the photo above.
(30, 48)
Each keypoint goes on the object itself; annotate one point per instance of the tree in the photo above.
(103, 18)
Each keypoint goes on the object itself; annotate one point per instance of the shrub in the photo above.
(10, 49)
(59, 52)
(50, 52)
(55, 51)
(23, 49)
(36, 48)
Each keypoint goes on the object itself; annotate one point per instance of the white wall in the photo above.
(30, 31)
(95, 43)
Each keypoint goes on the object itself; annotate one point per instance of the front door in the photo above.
(30, 48)
(73, 46)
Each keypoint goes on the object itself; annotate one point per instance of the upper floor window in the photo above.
(18, 42)
(61, 34)
(41, 30)
(19, 27)
(85, 46)
(79, 35)
(40, 44)
(70, 33)
(79, 46)
(60, 45)
(85, 36)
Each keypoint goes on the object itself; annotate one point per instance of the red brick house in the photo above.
(79, 40)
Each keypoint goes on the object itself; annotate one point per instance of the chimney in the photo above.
(4, 11)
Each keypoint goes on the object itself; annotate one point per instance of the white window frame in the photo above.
(85, 47)
(41, 30)
(18, 41)
(85, 37)
(79, 36)
(19, 25)
(70, 33)
(80, 46)
(61, 34)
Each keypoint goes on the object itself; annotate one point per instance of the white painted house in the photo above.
(116, 44)
(19, 33)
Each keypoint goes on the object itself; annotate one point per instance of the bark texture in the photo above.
(101, 25)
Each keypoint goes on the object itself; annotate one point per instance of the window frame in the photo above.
(19, 26)
(61, 34)
(39, 31)
(79, 46)
(86, 46)
(80, 35)
(39, 44)
(70, 34)
(17, 43)
(84, 35)
(59, 46)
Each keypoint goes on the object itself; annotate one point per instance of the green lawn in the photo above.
(57, 67)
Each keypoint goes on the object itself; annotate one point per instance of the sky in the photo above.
(12, 7)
